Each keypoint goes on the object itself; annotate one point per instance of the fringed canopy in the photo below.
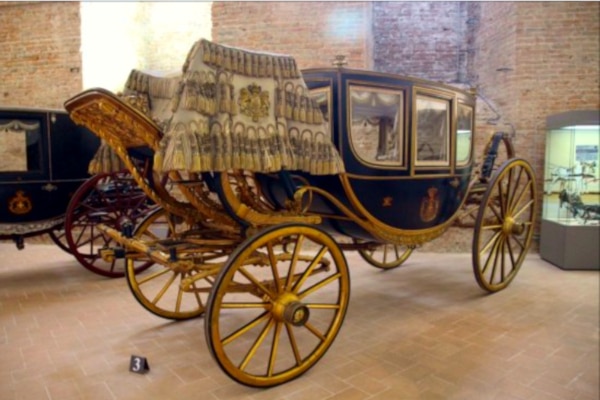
(235, 109)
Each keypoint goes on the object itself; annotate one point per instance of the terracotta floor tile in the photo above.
(422, 331)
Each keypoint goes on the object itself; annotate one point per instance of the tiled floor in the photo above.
(423, 331)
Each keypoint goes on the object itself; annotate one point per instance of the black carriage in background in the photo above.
(43, 160)
(45, 186)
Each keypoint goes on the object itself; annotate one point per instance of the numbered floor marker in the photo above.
(139, 365)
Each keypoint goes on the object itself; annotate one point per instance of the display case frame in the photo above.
(570, 228)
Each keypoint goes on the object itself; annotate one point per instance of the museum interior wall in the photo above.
(527, 60)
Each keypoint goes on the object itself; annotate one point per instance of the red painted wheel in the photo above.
(57, 234)
(107, 199)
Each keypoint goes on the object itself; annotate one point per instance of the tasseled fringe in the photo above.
(210, 143)
(243, 62)
(297, 107)
(105, 161)
(197, 150)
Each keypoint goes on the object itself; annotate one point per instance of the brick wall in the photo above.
(40, 62)
(312, 32)
(535, 59)
(527, 59)
(557, 67)
(421, 39)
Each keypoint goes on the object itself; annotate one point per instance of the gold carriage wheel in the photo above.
(504, 225)
(386, 256)
(158, 289)
(273, 314)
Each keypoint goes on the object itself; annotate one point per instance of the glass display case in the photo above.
(570, 230)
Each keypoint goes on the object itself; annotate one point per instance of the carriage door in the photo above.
(375, 151)
(23, 165)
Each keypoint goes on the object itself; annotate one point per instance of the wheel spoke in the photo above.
(243, 329)
(256, 344)
(501, 200)
(309, 269)
(312, 329)
(196, 292)
(290, 277)
(273, 261)
(323, 306)
(166, 286)
(490, 242)
(179, 298)
(274, 348)
(492, 252)
(524, 208)
(516, 199)
(153, 276)
(318, 285)
(293, 344)
(255, 281)
(496, 251)
(241, 305)
(492, 227)
(510, 186)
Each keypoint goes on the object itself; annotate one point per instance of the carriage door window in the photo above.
(377, 122)
(19, 145)
(432, 131)
(464, 134)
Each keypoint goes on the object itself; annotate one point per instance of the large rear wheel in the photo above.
(277, 305)
(504, 225)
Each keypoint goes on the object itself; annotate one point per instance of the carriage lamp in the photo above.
(340, 60)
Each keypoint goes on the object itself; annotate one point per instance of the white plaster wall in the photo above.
(119, 36)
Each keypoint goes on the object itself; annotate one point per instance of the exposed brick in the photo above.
(528, 60)
(40, 61)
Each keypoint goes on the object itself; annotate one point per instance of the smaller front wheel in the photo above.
(160, 289)
(277, 304)
(386, 256)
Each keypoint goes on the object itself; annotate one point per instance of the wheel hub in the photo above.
(288, 308)
(512, 227)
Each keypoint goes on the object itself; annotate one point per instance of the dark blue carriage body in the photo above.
(407, 147)
(44, 159)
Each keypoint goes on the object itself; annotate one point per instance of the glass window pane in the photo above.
(432, 142)
(376, 131)
(464, 134)
(321, 96)
(19, 145)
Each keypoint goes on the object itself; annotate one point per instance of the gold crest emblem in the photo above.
(430, 205)
(387, 201)
(19, 204)
(254, 102)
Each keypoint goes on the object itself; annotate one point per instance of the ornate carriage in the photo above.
(45, 185)
(38, 173)
(273, 173)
